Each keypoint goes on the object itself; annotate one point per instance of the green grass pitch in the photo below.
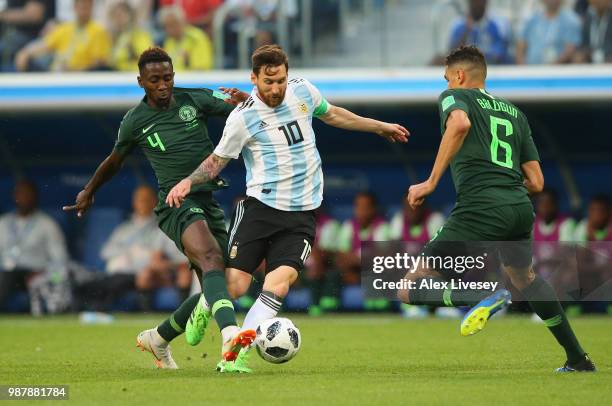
(344, 360)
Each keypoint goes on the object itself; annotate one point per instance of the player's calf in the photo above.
(521, 278)
(409, 296)
(268, 304)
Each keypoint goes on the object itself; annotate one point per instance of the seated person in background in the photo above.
(550, 225)
(32, 246)
(366, 225)
(596, 40)
(549, 229)
(490, 34)
(199, 13)
(138, 256)
(129, 41)
(142, 11)
(20, 23)
(188, 46)
(596, 227)
(416, 227)
(319, 276)
(594, 262)
(80, 45)
(550, 36)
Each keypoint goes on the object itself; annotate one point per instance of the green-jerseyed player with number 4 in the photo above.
(495, 165)
(169, 125)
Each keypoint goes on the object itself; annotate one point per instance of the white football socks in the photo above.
(265, 307)
(227, 333)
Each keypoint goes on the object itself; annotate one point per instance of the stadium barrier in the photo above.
(118, 91)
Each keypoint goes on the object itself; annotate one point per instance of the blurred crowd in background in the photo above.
(142, 262)
(86, 35)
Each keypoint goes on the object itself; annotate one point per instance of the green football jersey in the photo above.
(175, 141)
(486, 171)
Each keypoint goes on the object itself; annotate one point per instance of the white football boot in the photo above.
(147, 341)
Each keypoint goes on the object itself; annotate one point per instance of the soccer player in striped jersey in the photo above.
(276, 222)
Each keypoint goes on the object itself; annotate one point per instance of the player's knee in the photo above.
(238, 285)
(207, 259)
(403, 295)
(237, 281)
(520, 278)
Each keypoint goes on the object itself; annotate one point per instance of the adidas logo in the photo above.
(263, 125)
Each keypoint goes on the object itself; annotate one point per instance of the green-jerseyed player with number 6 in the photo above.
(495, 166)
(169, 125)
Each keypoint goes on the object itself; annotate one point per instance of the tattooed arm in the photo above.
(208, 170)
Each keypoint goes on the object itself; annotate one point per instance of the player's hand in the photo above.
(83, 202)
(178, 192)
(237, 96)
(393, 132)
(418, 193)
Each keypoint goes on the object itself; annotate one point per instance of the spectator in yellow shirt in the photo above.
(74, 46)
(188, 46)
(129, 41)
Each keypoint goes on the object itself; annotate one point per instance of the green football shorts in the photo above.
(505, 229)
(200, 206)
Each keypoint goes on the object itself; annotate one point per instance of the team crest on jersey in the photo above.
(187, 113)
(196, 210)
(233, 251)
(303, 107)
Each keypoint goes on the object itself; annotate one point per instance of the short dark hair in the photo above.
(269, 55)
(28, 184)
(602, 199)
(550, 192)
(368, 195)
(153, 55)
(468, 54)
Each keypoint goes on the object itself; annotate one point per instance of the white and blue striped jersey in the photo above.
(278, 145)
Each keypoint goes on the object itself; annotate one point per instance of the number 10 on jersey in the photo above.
(292, 132)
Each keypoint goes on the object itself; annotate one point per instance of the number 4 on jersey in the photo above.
(157, 143)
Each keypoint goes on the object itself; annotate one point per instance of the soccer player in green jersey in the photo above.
(495, 166)
(169, 125)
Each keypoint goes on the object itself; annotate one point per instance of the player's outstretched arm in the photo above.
(347, 120)
(107, 169)
(457, 127)
(208, 170)
(534, 179)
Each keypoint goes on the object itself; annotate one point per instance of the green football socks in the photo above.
(215, 292)
(426, 293)
(174, 326)
(543, 301)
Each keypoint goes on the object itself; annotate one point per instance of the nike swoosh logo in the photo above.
(144, 130)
